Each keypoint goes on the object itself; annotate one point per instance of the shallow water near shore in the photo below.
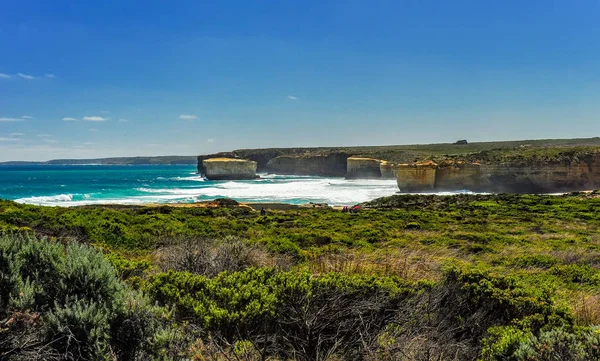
(74, 185)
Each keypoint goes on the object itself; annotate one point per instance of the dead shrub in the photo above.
(405, 263)
(209, 257)
(586, 309)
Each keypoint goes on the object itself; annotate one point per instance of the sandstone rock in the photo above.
(388, 170)
(550, 178)
(358, 167)
(419, 177)
(458, 176)
(331, 165)
(229, 168)
(563, 175)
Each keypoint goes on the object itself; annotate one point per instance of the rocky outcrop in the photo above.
(202, 158)
(418, 177)
(551, 178)
(229, 168)
(327, 165)
(388, 170)
(566, 175)
(459, 176)
(358, 167)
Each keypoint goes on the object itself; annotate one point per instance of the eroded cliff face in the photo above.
(358, 167)
(419, 177)
(576, 176)
(330, 165)
(388, 170)
(229, 168)
(459, 176)
(536, 177)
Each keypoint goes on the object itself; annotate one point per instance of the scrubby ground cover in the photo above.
(539, 151)
(467, 277)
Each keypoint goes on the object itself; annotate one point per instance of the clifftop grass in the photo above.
(487, 152)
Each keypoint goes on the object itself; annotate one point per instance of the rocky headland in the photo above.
(532, 166)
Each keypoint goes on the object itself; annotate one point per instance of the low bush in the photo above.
(512, 343)
(66, 302)
(209, 257)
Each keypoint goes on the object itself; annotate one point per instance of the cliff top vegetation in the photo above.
(541, 150)
(465, 277)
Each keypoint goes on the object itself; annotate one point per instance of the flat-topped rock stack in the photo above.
(360, 167)
(229, 168)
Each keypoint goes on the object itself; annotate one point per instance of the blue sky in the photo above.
(81, 79)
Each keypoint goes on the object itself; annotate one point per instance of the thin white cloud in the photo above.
(5, 76)
(50, 76)
(27, 117)
(11, 139)
(44, 135)
(25, 76)
(291, 97)
(123, 120)
(188, 116)
(11, 120)
(210, 140)
(16, 134)
(69, 119)
(50, 140)
(88, 143)
(93, 130)
(94, 118)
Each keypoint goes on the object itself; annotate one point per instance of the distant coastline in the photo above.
(159, 160)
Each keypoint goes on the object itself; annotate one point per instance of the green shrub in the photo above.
(511, 343)
(535, 260)
(573, 273)
(284, 246)
(86, 311)
(79, 330)
(483, 299)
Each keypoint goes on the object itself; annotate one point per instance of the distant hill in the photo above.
(118, 161)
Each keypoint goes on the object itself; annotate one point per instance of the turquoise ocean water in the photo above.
(70, 185)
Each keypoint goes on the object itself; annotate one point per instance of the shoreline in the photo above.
(280, 206)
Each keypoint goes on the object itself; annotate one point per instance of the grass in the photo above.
(539, 254)
(537, 149)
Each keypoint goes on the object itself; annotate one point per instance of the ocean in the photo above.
(74, 185)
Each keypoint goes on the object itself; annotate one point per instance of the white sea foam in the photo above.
(46, 200)
(328, 190)
(274, 188)
(196, 178)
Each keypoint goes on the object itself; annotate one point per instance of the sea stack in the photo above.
(359, 167)
(229, 168)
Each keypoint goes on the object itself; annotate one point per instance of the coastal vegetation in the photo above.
(536, 150)
(411, 277)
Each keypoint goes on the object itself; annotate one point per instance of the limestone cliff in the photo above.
(328, 165)
(576, 176)
(459, 176)
(551, 165)
(419, 177)
(229, 168)
(564, 175)
(388, 170)
(358, 167)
